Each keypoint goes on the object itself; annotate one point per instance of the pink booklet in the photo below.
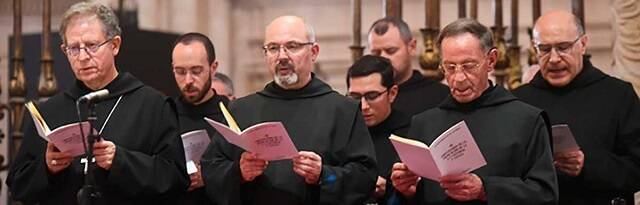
(563, 139)
(269, 140)
(66, 138)
(195, 143)
(453, 152)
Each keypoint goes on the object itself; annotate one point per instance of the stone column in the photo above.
(626, 45)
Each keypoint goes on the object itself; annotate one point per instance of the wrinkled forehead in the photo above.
(461, 45)
(286, 32)
(84, 22)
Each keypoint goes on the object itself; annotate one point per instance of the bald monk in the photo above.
(336, 163)
(602, 112)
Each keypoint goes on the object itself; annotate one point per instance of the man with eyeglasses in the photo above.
(602, 112)
(390, 37)
(194, 62)
(336, 161)
(139, 158)
(511, 135)
(370, 81)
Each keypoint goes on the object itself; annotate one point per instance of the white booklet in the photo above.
(66, 138)
(563, 139)
(195, 144)
(453, 152)
(269, 140)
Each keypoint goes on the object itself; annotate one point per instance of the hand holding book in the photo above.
(268, 140)
(56, 160)
(195, 144)
(66, 138)
(453, 152)
(404, 180)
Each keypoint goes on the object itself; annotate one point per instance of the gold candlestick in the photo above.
(474, 9)
(17, 82)
(462, 8)
(513, 53)
(393, 8)
(47, 86)
(430, 58)
(500, 71)
(533, 59)
(356, 47)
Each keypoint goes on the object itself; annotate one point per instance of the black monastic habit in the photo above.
(512, 137)
(396, 123)
(419, 94)
(317, 119)
(191, 118)
(603, 114)
(148, 167)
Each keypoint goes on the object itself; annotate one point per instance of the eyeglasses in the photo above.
(291, 47)
(368, 96)
(562, 47)
(181, 72)
(468, 67)
(90, 48)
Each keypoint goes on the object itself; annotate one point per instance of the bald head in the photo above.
(560, 45)
(290, 51)
(558, 22)
(290, 24)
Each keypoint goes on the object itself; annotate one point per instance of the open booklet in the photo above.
(563, 139)
(269, 140)
(195, 143)
(66, 138)
(453, 152)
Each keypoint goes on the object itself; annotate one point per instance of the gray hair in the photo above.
(311, 34)
(225, 80)
(579, 25)
(107, 17)
(467, 25)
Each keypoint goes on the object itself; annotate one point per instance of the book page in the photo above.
(195, 144)
(68, 138)
(456, 152)
(230, 135)
(563, 139)
(38, 121)
(269, 141)
(416, 156)
(191, 167)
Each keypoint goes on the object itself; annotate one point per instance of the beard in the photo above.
(201, 92)
(287, 80)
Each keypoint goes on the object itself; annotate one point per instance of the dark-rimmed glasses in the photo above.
(368, 96)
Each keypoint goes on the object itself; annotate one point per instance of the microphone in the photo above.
(94, 96)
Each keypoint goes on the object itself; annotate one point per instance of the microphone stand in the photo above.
(90, 191)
